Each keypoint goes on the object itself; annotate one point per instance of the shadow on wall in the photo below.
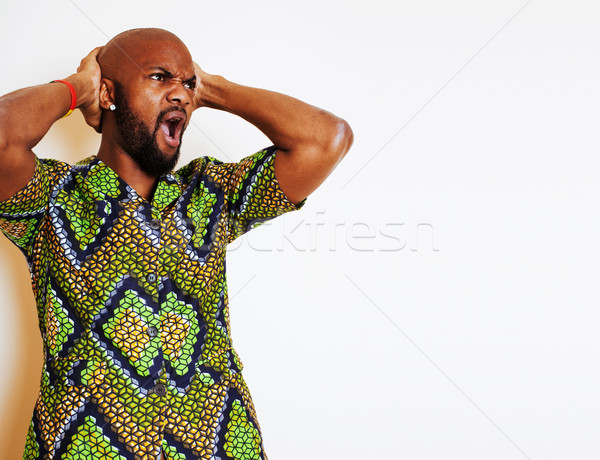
(21, 357)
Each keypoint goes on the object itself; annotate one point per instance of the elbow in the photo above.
(339, 140)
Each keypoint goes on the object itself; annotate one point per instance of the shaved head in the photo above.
(125, 52)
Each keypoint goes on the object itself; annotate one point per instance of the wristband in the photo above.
(73, 96)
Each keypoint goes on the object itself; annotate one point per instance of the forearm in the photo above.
(27, 114)
(289, 123)
(312, 140)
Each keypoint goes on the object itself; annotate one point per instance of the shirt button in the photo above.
(151, 278)
(159, 389)
(152, 331)
(155, 224)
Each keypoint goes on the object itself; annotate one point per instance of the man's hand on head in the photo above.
(87, 84)
(199, 92)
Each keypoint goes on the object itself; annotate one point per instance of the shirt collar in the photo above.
(169, 189)
(99, 182)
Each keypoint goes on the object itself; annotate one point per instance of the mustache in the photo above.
(172, 109)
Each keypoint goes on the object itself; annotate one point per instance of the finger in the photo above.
(94, 52)
(92, 55)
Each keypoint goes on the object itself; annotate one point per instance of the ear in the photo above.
(107, 93)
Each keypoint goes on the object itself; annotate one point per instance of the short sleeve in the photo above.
(254, 194)
(21, 214)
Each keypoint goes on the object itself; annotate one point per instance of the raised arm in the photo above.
(312, 141)
(27, 114)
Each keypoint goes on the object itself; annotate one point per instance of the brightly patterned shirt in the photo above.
(132, 306)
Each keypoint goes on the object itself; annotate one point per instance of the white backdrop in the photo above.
(437, 297)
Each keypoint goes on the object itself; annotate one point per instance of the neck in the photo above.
(126, 168)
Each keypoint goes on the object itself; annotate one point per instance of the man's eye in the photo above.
(190, 85)
(157, 76)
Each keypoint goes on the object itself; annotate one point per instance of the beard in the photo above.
(137, 140)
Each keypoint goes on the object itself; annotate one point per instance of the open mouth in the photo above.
(171, 126)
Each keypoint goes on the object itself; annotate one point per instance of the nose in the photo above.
(178, 94)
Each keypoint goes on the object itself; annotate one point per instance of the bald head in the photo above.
(129, 51)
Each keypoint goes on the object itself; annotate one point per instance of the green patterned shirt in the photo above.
(132, 305)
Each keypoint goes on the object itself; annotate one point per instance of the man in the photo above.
(127, 257)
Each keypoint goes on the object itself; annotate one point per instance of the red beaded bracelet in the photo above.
(73, 96)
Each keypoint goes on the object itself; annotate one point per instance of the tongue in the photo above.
(173, 142)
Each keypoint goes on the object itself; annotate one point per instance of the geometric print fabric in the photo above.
(133, 308)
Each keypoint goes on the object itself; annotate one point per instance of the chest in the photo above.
(89, 249)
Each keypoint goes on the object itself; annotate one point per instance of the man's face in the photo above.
(154, 105)
(140, 142)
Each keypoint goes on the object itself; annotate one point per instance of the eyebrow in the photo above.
(163, 70)
(170, 75)
(190, 80)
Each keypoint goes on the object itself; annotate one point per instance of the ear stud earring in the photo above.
(112, 107)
